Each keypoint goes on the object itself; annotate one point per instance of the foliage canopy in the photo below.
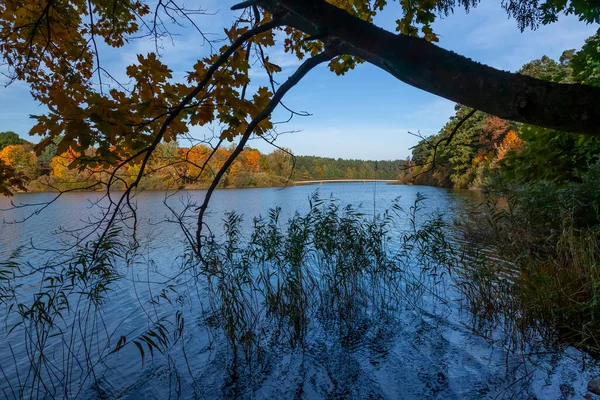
(9, 138)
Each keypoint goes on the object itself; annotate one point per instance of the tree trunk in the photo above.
(571, 108)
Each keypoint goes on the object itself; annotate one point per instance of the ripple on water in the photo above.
(410, 354)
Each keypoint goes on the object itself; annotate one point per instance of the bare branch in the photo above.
(306, 67)
(435, 146)
(125, 197)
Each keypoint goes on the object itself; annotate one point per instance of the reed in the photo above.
(543, 285)
(330, 269)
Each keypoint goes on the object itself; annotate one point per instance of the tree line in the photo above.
(309, 167)
(174, 167)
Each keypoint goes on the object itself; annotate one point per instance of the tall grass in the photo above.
(329, 272)
(329, 269)
(57, 338)
(548, 289)
(52, 305)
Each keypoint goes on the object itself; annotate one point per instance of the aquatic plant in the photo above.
(58, 339)
(264, 289)
(541, 285)
(329, 269)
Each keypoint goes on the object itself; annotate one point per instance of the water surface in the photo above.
(408, 354)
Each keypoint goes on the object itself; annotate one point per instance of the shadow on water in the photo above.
(326, 302)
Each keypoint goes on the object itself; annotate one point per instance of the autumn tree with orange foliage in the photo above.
(22, 159)
(252, 159)
(494, 130)
(10, 179)
(511, 143)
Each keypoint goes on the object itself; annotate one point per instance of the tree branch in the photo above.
(125, 197)
(571, 108)
(435, 146)
(306, 67)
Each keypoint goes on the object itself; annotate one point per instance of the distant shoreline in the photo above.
(291, 183)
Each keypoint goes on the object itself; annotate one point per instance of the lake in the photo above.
(422, 350)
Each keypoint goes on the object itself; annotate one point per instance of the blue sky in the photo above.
(365, 114)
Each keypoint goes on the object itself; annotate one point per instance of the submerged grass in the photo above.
(54, 306)
(329, 272)
(56, 336)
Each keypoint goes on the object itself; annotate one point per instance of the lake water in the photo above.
(425, 353)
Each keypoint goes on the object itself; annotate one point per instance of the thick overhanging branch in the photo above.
(571, 108)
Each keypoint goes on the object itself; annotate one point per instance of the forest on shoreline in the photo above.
(173, 167)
